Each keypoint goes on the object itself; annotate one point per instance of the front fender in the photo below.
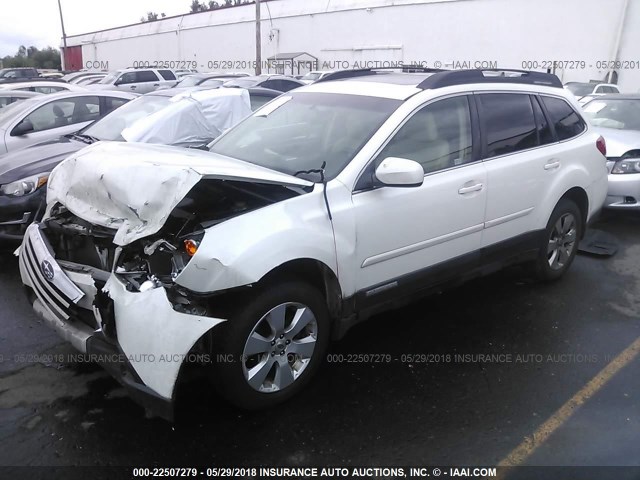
(243, 249)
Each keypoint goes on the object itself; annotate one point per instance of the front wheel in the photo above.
(560, 241)
(277, 342)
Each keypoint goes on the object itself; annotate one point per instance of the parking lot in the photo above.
(532, 348)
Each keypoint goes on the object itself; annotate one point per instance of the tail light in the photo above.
(601, 145)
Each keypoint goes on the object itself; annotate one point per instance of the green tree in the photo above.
(196, 6)
(32, 57)
(151, 17)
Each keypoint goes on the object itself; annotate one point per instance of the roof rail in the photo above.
(342, 74)
(362, 72)
(495, 75)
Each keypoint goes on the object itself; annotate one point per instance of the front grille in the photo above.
(51, 297)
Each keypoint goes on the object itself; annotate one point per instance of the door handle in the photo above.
(156, 84)
(133, 87)
(472, 188)
(552, 164)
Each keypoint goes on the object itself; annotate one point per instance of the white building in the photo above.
(579, 39)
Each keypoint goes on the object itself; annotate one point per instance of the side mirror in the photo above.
(400, 172)
(22, 128)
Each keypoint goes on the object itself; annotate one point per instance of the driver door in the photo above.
(408, 237)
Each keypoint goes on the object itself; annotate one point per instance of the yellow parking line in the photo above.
(530, 444)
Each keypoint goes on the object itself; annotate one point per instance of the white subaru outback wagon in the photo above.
(332, 202)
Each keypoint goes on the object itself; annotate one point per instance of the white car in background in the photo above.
(329, 204)
(136, 80)
(40, 86)
(585, 92)
(315, 76)
(45, 117)
(617, 118)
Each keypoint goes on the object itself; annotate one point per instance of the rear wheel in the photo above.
(560, 241)
(277, 342)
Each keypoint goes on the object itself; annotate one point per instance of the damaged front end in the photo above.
(116, 300)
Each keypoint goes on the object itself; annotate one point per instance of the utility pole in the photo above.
(258, 40)
(64, 38)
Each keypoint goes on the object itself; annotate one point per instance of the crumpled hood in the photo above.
(35, 159)
(133, 188)
(619, 141)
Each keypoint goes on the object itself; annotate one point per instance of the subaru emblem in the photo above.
(47, 270)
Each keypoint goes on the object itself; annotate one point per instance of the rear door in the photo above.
(146, 81)
(519, 166)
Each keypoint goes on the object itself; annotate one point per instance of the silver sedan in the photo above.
(46, 117)
(617, 118)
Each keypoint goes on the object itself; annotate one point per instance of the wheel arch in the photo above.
(579, 196)
(314, 272)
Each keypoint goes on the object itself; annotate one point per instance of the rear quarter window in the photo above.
(565, 120)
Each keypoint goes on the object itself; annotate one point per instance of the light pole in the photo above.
(64, 38)
(258, 40)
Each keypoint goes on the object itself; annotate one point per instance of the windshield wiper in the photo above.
(319, 171)
(87, 137)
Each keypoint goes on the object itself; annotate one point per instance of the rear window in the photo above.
(564, 118)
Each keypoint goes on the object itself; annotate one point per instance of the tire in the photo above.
(262, 341)
(560, 241)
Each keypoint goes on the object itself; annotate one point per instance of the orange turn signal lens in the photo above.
(191, 247)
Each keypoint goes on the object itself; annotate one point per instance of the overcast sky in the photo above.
(37, 22)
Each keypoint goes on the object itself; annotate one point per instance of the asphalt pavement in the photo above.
(465, 377)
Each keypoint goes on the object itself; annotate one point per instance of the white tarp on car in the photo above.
(192, 117)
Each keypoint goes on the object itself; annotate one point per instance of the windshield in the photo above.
(620, 114)
(311, 76)
(580, 89)
(111, 126)
(302, 130)
(109, 79)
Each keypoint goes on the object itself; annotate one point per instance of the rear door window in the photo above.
(509, 123)
(146, 76)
